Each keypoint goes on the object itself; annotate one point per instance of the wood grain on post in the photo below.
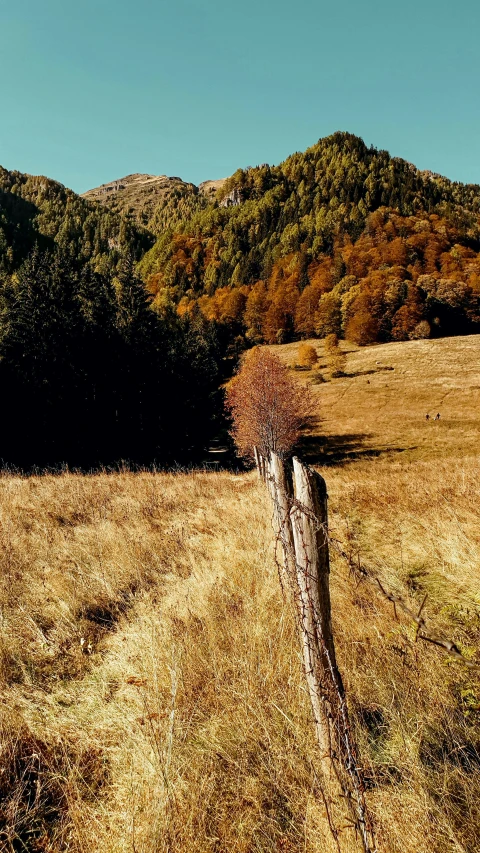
(309, 531)
(262, 465)
(309, 517)
(282, 497)
(258, 463)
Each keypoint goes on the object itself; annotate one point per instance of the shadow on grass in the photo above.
(341, 449)
(380, 369)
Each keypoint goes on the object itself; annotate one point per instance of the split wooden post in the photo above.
(282, 494)
(258, 461)
(309, 530)
(309, 518)
(301, 524)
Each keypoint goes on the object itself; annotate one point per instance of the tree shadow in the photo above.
(380, 369)
(20, 227)
(341, 449)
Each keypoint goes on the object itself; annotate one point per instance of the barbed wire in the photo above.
(399, 602)
(444, 643)
(332, 694)
(333, 699)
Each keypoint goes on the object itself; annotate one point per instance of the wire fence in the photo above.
(399, 603)
(299, 499)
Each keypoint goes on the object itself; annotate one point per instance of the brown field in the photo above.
(152, 696)
(381, 402)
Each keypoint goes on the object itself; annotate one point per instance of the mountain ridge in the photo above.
(155, 201)
(333, 240)
(39, 211)
(341, 238)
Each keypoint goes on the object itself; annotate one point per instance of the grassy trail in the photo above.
(152, 697)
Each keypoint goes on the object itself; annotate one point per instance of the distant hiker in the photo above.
(437, 416)
(427, 417)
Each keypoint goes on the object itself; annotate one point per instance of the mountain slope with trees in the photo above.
(338, 239)
(90, 374)
(342, 240)
(156, 202)
(35, 210)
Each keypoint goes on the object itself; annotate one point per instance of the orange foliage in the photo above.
(305, 313)
(282, 297)
(227, 305)
(255, 311)
(279, 319)
(268, 407)
(408, 316)
(384, 264)
(155, 283)
(328, 317)
(307, 355)
(320, 274)
(187, 250)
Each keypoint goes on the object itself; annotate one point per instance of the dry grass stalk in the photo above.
(187, 726)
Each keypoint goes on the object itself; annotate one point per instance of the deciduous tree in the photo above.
(307, 355)
(268, 407)
(336, 358)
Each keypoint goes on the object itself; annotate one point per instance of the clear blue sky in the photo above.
(97, 89)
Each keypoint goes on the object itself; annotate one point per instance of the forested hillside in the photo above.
(36, 211)
(341, 238)
(89, 374)
(113, 347)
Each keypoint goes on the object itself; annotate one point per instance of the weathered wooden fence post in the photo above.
(258, 461)
(301, 522)
(309, 517)
(281, 492)
(309, 529)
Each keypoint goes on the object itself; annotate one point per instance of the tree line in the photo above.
(90, 374)
(402, 278)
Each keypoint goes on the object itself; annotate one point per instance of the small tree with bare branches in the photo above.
(267, 406)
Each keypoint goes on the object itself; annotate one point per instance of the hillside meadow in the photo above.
(379, 405)
(152, 693)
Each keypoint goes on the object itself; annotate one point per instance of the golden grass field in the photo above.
(381, 402)
(152, 695)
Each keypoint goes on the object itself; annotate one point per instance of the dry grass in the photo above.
(186, 727)
(414, 525)
(380, 404)
(181, 723)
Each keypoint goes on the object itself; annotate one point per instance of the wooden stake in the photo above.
(258, 463)
(282, 494)
(309, 530)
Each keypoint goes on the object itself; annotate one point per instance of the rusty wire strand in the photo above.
(343, 753)
(398, 601)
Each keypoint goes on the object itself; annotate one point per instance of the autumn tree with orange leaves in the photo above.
(268, 407)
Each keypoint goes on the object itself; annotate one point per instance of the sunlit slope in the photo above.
(152, 696)
(381, 402)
